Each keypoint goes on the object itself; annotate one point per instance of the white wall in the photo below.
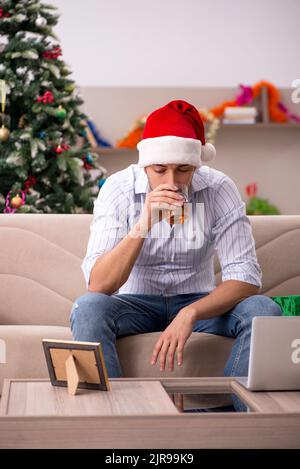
(180, 42)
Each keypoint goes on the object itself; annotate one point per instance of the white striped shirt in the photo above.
(169, 265)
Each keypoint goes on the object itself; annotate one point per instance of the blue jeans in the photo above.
(97, 317)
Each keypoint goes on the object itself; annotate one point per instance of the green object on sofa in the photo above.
(290, 305)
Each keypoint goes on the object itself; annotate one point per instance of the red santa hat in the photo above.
(174, 134)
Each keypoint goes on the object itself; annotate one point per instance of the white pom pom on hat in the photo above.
(208, 152)
(174, 134)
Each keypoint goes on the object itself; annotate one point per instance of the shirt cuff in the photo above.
(86, 268)
(248, 278)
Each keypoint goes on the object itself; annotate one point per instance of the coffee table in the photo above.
(35, 398)
(141, 414)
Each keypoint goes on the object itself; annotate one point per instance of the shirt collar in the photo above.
(141, 183)
(199, 181)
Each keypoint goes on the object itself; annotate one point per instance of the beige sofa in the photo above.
(40, 258)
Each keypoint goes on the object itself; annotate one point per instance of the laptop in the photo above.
(274, 363)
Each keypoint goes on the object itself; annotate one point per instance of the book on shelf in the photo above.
(240, 115)
(249, 120)
(240, 110)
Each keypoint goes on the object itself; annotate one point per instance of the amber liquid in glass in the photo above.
(180, 218)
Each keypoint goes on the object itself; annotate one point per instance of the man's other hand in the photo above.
(173, 340)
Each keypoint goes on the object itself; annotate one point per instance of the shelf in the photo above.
(108, 151)
(261, 125)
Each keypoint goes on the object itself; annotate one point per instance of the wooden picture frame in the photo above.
(75, 364)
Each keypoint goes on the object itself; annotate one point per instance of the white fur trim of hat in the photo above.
(174, 150)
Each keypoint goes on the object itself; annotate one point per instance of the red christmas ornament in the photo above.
(52, 54)
(4, 15)
(61, 148)
(46, 98)
(86, 164)
(56, 52)
(30, 181)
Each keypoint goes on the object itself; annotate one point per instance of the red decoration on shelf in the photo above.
(53, 53)
(245, 96)
(46, 98)
(277, 112)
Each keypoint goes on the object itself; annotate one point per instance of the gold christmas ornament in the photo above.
(70, 87)
(21, 123)
(4, 134)
(16, 201)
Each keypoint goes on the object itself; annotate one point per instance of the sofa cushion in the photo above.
(204, 354)
(24, 354)
(41, 255)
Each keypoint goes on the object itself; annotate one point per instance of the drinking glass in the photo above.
(180, 215)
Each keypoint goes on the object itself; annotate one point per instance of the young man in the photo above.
(142, 281)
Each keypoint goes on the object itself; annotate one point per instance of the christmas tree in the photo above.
(45, 157)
